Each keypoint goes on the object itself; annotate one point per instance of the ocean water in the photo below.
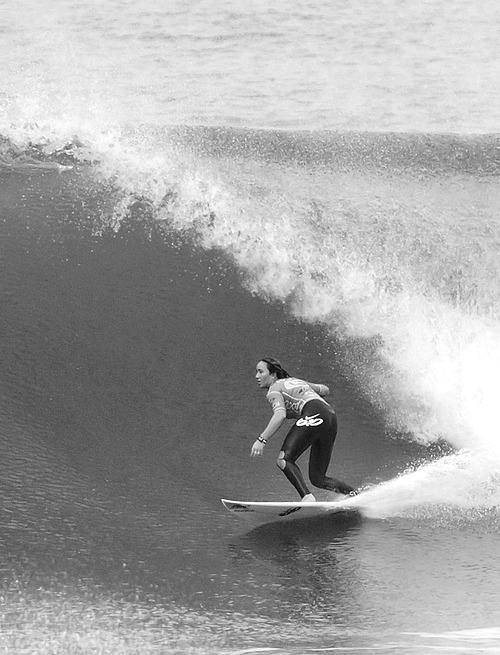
(185, 188)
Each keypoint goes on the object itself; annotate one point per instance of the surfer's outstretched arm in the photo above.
(273, 426)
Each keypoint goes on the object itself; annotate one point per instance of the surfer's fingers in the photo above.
(257, 449)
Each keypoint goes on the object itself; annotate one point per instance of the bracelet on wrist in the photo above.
(264, 441)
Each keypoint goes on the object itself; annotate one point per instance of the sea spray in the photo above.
(464, 484)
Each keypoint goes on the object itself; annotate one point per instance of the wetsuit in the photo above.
(315, 427)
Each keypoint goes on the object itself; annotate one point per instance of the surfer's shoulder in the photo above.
(276, 387)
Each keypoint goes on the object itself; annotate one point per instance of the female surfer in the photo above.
(315, 427)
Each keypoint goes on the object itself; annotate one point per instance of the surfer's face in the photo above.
(264, 378)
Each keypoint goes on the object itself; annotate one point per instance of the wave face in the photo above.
(389, 242)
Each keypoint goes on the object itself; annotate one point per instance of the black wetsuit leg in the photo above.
(319, 460)
(317, 429)
(297, 441)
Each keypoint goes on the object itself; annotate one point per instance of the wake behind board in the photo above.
(284, 509)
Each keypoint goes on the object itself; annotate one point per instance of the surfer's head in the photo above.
(269, 370)
(275, 367)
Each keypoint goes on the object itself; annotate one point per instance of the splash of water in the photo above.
(463, 484)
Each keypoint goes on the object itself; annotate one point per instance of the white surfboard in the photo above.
(285, 509)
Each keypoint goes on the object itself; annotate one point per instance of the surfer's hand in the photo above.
(257, 448)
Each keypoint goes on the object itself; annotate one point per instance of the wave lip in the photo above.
(428, 154)
(434, 154)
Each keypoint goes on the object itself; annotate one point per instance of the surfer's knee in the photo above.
(281, 461)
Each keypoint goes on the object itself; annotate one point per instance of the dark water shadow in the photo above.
(277, 540)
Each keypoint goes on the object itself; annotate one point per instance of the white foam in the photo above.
(468, 481)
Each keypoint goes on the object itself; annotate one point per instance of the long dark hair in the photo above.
(275, 367)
